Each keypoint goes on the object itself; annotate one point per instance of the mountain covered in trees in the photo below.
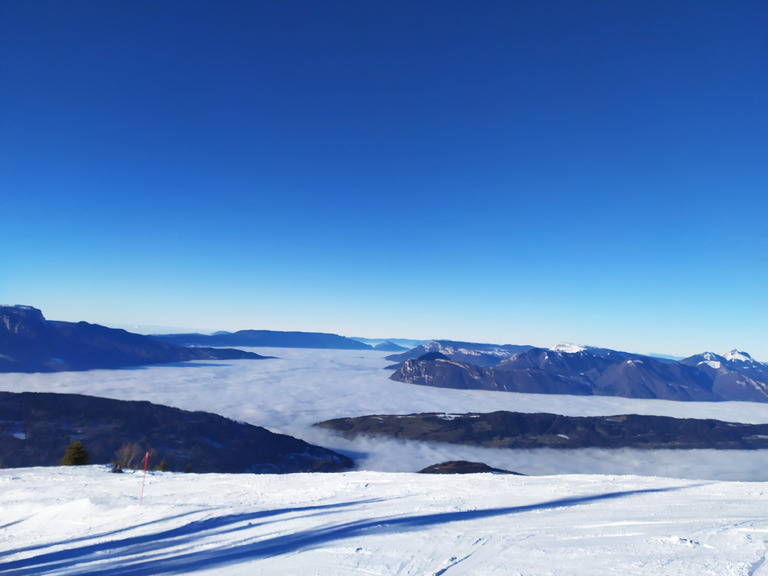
(588, 371)
(36, 429)
(519, 430)
(30, 343)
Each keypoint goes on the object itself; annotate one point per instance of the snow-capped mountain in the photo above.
(470, 352)
(734, 374)
(738, 356)
(582, 370)
(567, 347)
(734, 360)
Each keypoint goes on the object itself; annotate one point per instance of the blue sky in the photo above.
(511, 172)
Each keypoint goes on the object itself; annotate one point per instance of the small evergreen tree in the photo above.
(75, 455)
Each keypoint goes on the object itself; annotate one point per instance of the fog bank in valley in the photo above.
(301, 387)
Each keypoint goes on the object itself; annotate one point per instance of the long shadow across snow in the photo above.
(145, 544)
(100, 535)
(121, 556)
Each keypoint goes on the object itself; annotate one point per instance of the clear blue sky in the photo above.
(515, 172)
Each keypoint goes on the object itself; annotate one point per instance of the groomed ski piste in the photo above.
(576, 513)
(85, 520)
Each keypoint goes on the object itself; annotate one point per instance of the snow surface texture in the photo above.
(302, 387)
(87, 521)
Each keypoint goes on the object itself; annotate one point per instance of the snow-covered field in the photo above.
(88, 521)
(646, 512)
(301, 387)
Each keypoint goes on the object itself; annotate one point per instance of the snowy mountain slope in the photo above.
(291, 393)
(85, 521)
(733, 374)
(579, 370)
(470, 352)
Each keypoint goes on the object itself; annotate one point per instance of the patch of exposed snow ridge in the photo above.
(568, 348)
(737, 355)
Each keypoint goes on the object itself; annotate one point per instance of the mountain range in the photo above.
(30, 343)
(568, 369)
(265, 338)
(469, 352)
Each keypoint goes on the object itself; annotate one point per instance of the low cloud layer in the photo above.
(301, 387)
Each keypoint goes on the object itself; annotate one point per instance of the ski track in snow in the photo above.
(87, 521)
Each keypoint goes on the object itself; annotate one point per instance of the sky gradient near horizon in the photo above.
(512, 172)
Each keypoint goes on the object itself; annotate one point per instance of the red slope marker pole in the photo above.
(146, 459)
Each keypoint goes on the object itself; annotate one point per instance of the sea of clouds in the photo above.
(300, 387)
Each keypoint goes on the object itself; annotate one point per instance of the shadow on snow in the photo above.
(148, 553)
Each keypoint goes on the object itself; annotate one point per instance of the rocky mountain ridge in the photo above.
(469, 352)
(593, 371)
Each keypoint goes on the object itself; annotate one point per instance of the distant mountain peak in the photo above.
(738, 356)
(389, 346)
(21, 313)
(568, 348)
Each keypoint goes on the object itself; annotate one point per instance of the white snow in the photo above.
(568, 348)
(738, 356)
(87, 521)
(712, 364)
(385, 519)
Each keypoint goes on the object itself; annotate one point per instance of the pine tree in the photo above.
(76, 455)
